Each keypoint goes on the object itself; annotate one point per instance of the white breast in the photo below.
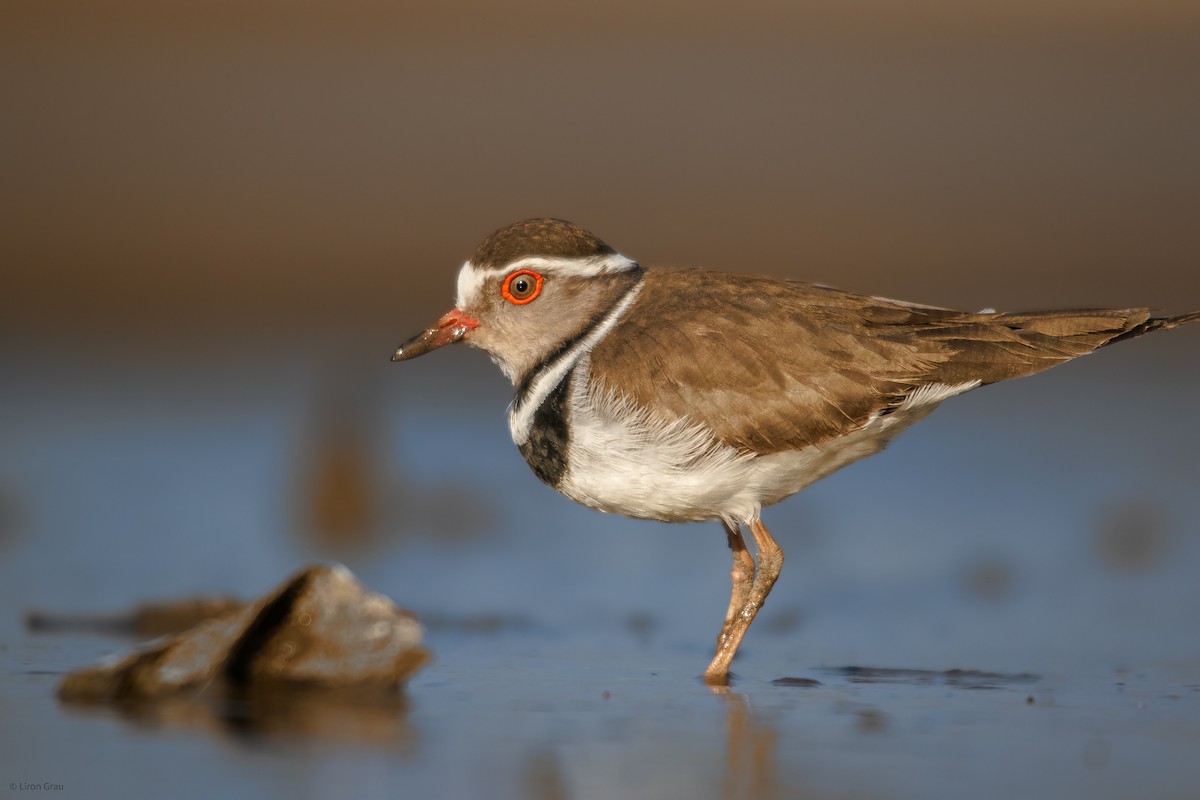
(624, 460)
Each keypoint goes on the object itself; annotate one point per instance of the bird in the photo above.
(686, 395)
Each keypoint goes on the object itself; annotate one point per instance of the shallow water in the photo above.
(1002, 605)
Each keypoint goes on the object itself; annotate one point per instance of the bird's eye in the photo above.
(521, 287)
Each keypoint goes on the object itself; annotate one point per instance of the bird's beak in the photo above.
(447, 330)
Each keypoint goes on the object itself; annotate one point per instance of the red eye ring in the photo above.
(529, 286)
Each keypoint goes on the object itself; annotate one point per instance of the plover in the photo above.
(687, 395)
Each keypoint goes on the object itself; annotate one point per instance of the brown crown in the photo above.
(537, 237)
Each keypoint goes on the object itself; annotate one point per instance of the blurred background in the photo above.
(255, 166)
(219, 218)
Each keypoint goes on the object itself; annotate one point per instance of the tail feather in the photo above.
(995, 347)
(1155, 323)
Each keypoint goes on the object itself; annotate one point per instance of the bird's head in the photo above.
(526, 291)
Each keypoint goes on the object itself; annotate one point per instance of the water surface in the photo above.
(1001, 605)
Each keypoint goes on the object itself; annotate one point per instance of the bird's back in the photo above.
(771, 365)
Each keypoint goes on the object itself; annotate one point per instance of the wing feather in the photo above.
(770, 365)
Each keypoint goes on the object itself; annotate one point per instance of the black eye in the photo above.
(521, 287)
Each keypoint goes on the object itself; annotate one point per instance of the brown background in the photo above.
(265, 167)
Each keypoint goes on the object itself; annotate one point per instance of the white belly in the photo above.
(622, 460)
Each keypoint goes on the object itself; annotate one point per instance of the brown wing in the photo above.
(774, 365)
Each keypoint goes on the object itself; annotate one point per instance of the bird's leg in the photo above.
(741, 577)
(763, 576)
(770, 564)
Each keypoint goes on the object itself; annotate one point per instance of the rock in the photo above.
(319, 629)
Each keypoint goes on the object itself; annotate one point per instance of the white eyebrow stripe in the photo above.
(471, 278)
(588, 267)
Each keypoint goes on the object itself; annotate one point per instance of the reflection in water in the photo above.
(749, 750)
(340, 485)
(341, 493)
(347, 498)
(544, 777)
(375, 718)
